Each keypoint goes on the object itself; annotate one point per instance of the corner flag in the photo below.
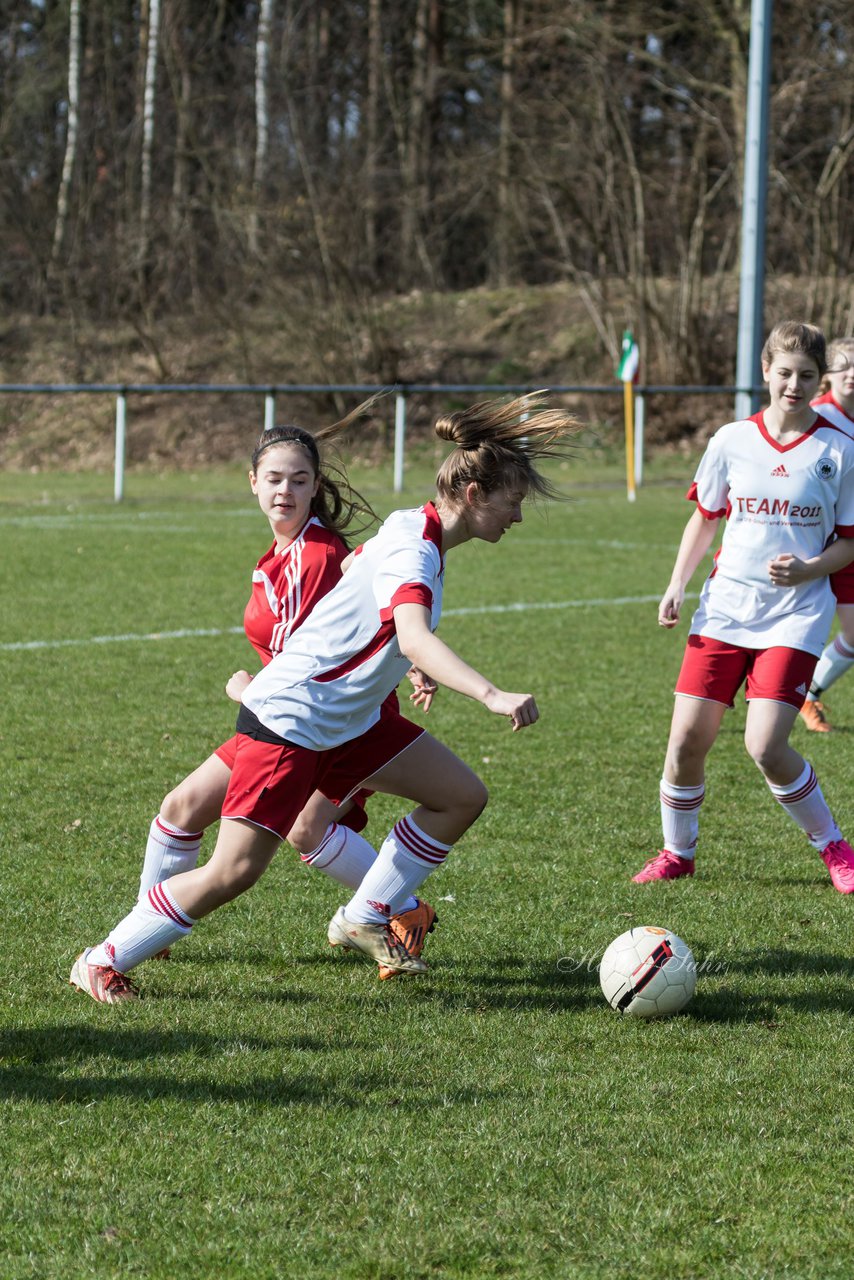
(627, 373)
(629, 358)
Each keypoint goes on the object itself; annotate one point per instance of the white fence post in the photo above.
(121, 420)
(640, 420)
(399, 437)
(269, 410)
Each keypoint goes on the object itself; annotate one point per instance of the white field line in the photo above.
(602, 602)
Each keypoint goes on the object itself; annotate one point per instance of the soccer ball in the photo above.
(648, 973)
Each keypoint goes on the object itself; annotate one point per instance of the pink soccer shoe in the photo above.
(838, 857)
(665, 866)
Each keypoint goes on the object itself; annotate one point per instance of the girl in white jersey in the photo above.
(310, 506)
(784, 480)
(315, 719)
(837, 406)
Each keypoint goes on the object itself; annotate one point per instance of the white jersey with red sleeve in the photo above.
(834, 413)
(327, 686)
(287, 583)
(776, 498)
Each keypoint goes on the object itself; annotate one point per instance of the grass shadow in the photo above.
(54, 1065)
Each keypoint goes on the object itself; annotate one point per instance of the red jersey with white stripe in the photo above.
(841, 582)
(776, 499)
(327, 686)
(287, 583)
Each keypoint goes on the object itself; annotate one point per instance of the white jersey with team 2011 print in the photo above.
(328, 685)
(776, 498)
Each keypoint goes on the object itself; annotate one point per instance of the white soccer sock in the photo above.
(803, 801)
(154, 923)
(342, 854)
(346, 856)
(680, 817)
(405, 860)
(169, 851)
(833, 663)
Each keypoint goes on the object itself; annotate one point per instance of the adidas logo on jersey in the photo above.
(780, 471)
(802, 690)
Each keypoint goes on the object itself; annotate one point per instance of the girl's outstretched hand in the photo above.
(520, 707)
(424, 688)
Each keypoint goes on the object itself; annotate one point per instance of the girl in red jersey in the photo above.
(784, 480)
(308, 509)
(837, 406)
(316, 718)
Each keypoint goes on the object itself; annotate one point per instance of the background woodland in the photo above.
(298, 165)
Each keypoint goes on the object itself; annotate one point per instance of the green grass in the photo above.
(270, 1109)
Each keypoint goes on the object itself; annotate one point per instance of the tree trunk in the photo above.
(71, 134)
(148, 125)
(262, 120)
(372, 134)
(502, 220)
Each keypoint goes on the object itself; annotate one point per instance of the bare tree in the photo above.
(71, 133)
(148, 115)
(262, 120)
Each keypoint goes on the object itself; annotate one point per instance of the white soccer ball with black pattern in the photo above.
(648, 973)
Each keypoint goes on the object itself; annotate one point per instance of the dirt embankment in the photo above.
(535, 337)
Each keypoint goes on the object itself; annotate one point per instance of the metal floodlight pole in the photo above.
(752, 286)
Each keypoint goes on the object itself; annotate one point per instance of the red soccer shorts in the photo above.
(715, 670)
(842, 584)
(355, 818)
(271, 782)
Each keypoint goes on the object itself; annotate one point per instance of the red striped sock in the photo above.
(805, 804)
(154, 923)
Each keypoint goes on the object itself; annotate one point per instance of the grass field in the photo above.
(270, 1109)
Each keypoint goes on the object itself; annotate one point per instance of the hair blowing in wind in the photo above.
(500, 444)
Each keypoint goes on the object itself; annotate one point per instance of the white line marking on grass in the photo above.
(550, 604)
(187, 633)
(194, 520)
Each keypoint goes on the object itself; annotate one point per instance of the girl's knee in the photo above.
(175, 808)
(687, 751)
(307, 833)
(765, 753)
(477, 798)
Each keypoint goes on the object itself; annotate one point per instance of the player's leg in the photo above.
(837, 659)
(167, 913)
(791, 779)
(709, 678)
(693, 730)
(326, 843)
(449, 797)
(269, 786)
(175, 836)
(344, 854)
